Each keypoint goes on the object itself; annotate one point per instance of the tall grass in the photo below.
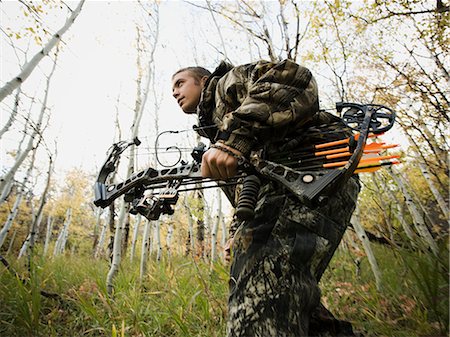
(184, 297)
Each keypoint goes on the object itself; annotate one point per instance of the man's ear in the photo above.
(203, 81)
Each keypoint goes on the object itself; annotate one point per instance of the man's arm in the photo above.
(219, 164)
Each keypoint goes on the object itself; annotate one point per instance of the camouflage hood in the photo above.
(257, 103)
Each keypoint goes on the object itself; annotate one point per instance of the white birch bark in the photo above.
(384, 208)
(137, 222)
(418, 220)
(400, 216)
(59, 241)
(11, 243)
(117, 249)
(215, 229)
(37, 220)
(190, 224)
(97, 226)
(361, 233)
(48, 234)
(66, 231)
(145, 249)
(169, 240)
(6, 227)
(101, 240)
(13, 114)
(437, 195)
(9, 221)
(158, 240)
(5, 180)
(27, 69)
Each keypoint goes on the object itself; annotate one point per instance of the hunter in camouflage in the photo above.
(280, 255)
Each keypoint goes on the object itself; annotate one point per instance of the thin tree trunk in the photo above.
(169, 240)
(145, 249)
(11, 243)
(400, 215)
(101, 240)
(9, 221)
(135, 236)
(191, 243)
(366, 244)
(60, 241)
(21, 193)
(158, 240)
(48, 234)
(97, 225)
(37, 220)
(13, 114)
(117, 249)
(437, 195)
(27, 69)
(384, 208)
(5, 180)
(418, 220)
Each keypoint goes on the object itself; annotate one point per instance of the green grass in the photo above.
(186, 298)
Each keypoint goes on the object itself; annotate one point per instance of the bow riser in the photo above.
(106, 194)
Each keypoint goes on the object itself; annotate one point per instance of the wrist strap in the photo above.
(241, 159)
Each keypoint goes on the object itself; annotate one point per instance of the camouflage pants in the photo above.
(278, 259)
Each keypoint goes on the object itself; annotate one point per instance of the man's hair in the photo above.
(197, 72)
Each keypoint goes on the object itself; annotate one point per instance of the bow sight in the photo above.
(154, 192)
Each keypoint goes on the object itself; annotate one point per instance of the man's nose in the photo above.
(175, 93)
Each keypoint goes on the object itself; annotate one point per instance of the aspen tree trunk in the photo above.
(8, 187)
(207, 221)
(13, 115)
(384, 208)
(152, 239)
(24, 247)
(158, 240)
(191, 242)
(135, 236)
(9, 87)
(48, 234)
(200, 226)
(400, 215)
(214, 232)
(442, 156)
(15, 209)
(97, 225)
(366, 244)
(66, 231)
(11, 243)
(9, 221)
(37, 220)
(169, 240)
(419, 222)
(101, 240)
(437, 195)
(426, 174)
(5, 180)
(117, 249)
(145, 249)
(59, 241)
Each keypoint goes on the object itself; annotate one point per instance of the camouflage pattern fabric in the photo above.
(257, 103)
(278, 259)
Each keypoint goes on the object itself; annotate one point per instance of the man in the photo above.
(280, 255)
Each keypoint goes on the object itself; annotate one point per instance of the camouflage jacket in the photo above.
(261, 104)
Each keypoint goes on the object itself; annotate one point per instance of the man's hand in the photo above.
(218, 164)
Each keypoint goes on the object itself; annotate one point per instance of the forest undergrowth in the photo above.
(185, 297)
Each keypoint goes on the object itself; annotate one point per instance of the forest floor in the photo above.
(186, 297)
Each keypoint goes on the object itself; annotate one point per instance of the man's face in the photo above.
(187, 90)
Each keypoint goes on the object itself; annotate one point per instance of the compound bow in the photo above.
(154, 192)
